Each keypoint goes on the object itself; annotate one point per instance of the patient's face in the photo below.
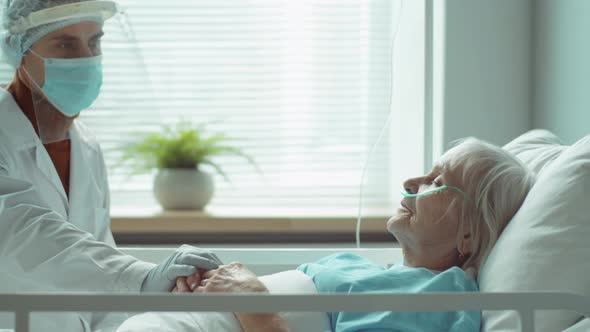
(428, 225)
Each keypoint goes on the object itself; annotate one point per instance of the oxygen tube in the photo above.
(385, 126)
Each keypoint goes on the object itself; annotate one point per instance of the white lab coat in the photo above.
(50, 243)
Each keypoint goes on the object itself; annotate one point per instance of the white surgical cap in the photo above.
(15, 42)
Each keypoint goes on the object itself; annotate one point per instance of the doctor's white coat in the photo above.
(50, 243)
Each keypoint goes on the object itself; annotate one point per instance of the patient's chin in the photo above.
(398, 221)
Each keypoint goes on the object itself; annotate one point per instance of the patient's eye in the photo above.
(438, 181)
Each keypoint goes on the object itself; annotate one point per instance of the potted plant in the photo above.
(177, 154)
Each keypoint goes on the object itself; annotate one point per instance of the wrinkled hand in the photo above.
(183, 262)
(187, 284)
(232, 278)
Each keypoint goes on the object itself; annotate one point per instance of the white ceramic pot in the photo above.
(183, 189)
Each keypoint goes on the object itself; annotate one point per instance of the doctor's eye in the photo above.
(66, 45)
(95, 43)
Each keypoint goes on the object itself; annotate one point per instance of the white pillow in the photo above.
(546, 246)
(536, 148)
(582, 326)
(278, 283)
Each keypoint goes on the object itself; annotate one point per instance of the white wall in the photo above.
(408, 95)
(562, 67)
(487, 70)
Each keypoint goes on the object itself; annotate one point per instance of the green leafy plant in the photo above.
(182, 147)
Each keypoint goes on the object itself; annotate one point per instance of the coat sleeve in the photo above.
(47, 249)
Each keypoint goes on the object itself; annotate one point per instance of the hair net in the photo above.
(15, 44)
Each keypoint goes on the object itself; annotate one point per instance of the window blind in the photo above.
(301, 86)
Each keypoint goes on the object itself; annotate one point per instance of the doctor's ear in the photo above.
(23, 62)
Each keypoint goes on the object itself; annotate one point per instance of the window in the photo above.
(302, 86)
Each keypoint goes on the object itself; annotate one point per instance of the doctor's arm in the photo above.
(46, 247)
(58, 255)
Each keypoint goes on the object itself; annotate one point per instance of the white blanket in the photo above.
(284, 282)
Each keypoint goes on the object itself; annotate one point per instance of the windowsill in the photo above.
(133, 226)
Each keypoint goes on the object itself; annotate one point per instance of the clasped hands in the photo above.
(191, 269)
(231, 278)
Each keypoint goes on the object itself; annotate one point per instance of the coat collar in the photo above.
(15, 124)
(21, 132)
(22, 136)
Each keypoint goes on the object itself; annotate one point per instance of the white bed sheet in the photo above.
(288, 282)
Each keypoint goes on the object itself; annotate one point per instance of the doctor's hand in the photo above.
(183, 262)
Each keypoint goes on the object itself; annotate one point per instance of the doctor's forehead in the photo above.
(72, 37)
(81, 30)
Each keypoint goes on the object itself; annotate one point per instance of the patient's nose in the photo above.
(411, 185)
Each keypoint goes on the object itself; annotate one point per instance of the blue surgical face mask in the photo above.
(72, 85)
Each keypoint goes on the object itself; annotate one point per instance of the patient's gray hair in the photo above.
(496, 183)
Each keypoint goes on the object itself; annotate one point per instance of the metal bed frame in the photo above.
(257, 259)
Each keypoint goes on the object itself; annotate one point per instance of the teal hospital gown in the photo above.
(349, 273)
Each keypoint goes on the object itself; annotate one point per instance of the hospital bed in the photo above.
(268, 261)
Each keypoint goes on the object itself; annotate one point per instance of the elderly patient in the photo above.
(448, 221)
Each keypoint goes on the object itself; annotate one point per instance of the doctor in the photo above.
(54, 197)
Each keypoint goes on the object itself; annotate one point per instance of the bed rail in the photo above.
(524, 303)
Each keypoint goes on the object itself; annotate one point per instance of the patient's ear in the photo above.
(465, 246)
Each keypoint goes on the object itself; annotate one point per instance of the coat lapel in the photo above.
(85, 192)
(24, 140)
(45, 165)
